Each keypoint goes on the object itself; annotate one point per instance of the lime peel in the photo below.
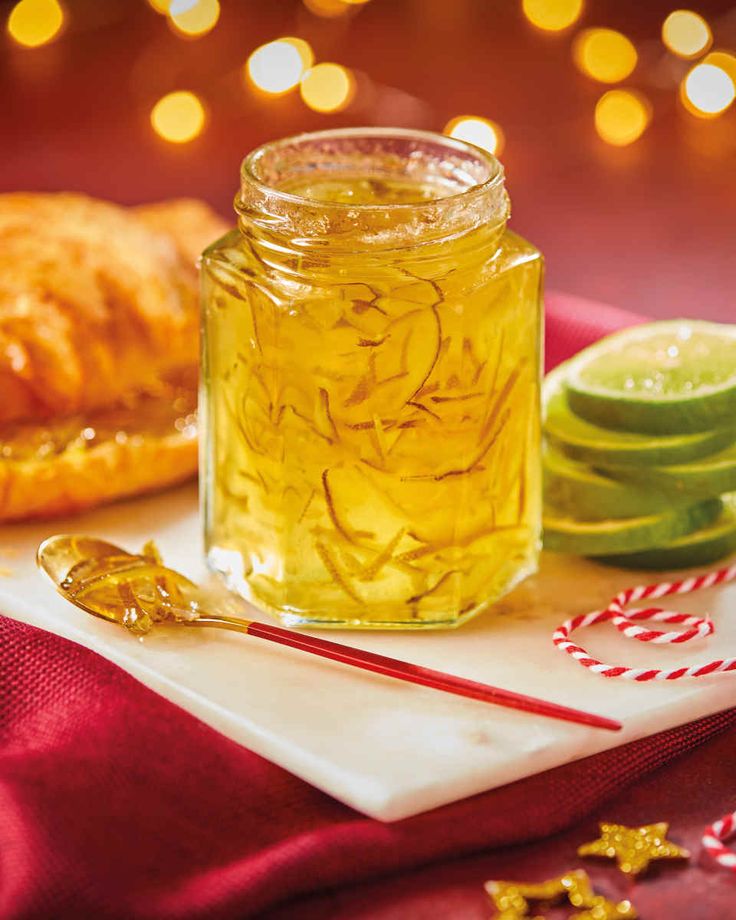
(575, 488)
(604, 538)
(702, 547)
(698, 479)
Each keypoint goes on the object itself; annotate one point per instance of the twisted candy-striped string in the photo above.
(713, 838)
(696, 628)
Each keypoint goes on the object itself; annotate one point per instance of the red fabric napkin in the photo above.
(115, 803)
(574, 322)
(687, 792)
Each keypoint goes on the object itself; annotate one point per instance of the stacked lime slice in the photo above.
(640, 447)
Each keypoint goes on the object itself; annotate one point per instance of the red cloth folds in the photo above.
(573, 322)
(115, 803)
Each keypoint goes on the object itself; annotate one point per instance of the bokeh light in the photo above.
(329, 9)
(278, 66)
(723, 59)
(304, 50)
(161, 6)
(552, 15)
(686, 33)
(35, 22)
(622, 116)
(327, 87)
(604, 54)
(194, 17)
(476, 130)
(178, 117)
(707, 90)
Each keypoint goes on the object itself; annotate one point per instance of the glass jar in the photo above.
(371, 371)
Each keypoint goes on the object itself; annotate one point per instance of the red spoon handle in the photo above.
(427, 677)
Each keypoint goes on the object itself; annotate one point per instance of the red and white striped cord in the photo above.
(696, 628)
(713, 838)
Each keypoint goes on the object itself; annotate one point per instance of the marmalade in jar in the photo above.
(371, 371)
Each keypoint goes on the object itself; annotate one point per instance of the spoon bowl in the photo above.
(107, 581)
(58, 555)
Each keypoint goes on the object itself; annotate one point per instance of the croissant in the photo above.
(98, 348)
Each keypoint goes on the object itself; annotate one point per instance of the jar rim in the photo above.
(253, 160)
(473, 177)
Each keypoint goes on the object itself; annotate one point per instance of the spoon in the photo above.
(138, 592)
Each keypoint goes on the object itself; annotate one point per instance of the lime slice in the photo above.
(603, 538)
(671, 377)
(582, 440)
(702, 547)
(574, 488)
(698, 479)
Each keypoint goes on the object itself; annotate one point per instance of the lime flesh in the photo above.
(581, 440)
(670, 377)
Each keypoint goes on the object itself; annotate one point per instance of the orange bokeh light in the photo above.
(476, 130)
(178, 117)
(622, 116)
(33, 23)
(327, 87)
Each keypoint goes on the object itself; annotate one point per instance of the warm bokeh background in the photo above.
(650, 226)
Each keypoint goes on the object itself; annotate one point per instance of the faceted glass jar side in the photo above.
(371, 450)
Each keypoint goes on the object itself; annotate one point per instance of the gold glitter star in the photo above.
(633, 847)
(511, 899)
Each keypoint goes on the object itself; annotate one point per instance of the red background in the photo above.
(650, 227)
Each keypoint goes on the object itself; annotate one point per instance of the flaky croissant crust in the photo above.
(97, 301)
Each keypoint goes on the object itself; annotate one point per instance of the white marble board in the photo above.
(388, 749)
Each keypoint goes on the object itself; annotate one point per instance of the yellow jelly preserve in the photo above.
(371, 356)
